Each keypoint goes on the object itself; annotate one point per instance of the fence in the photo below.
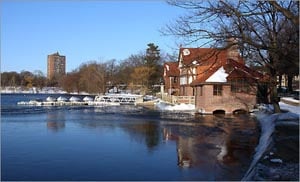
(179, 99)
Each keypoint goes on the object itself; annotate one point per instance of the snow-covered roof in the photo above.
(224, 71)
(219, 76)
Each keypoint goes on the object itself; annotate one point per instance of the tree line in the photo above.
(139, 72)
(25, 79)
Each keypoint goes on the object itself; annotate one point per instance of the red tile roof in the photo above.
(209, 60)
(242, 71)
(173, 69)
(204, 54)
(233, 68)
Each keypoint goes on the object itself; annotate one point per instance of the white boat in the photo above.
(74, 99)
(87, 99)
(50, 99)
(62, 99)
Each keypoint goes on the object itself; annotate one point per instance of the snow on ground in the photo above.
(292, 100)
(293, 109)
(267, 122)
(164, 106)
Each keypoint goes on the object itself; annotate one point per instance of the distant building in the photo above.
(56, 65)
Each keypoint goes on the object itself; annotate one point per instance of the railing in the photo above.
(178, 99)
(185, 99)
(117, 98)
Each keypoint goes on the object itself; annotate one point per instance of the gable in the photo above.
(171, 69)
(219, 76)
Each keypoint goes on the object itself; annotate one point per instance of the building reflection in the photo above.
(145, 132)
(56, 121)
(194, 151)
(222, 144)
(214, 143)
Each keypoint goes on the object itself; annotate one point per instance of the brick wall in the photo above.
(186, 90)
(228, 101)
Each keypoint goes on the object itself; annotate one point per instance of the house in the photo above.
(218, 78)
(171, 78)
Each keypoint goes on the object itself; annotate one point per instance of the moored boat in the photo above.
(74, 99)
(50, 99)
(62, 99)
(87, 99)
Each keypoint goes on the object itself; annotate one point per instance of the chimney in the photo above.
(233, 49)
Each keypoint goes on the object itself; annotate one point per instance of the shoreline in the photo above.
(277, 154)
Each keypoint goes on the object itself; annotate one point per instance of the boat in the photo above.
(74, 99)
(50, 99)
(62, 99)
(87, 99)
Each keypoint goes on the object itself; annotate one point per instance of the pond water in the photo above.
(121, 143)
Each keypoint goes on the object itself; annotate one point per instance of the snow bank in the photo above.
(164, 106)
(267, 122)
(283, 106)
(289, 99)
(293, 109)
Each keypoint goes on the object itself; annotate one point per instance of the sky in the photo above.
(81, 30)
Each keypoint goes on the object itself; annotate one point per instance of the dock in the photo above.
(100, 100)
(52, 103)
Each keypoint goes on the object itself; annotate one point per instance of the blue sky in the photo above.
(80, 30)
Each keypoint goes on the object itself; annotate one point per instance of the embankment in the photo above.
(276, 156)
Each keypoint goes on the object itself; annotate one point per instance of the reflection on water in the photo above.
(56, 121)
(216, 143)
(223, 144)
(145, 132)
(125, 143)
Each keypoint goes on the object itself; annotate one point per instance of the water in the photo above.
(121, 143)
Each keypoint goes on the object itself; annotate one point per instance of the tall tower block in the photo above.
(56, 65)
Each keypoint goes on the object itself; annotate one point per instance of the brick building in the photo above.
(171, 78)
(56, 65)
(218, 78)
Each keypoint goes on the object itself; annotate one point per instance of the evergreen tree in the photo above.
(152, 61)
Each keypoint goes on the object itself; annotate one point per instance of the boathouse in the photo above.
(218, 79)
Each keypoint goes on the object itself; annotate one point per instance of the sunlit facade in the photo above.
(56, 65)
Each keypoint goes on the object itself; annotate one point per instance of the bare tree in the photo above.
(257, 25)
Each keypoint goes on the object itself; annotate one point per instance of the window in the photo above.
(218, 90)
(183, 80)
(175, 80)
(240, 85)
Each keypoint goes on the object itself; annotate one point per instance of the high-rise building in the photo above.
(56, 65)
